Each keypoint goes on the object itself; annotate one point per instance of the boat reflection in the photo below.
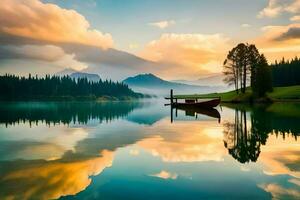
(194, 111)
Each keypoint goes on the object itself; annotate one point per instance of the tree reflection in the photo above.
(63, 112)
(241, 142)
(244, 136)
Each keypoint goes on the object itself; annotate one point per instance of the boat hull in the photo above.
(205, 104)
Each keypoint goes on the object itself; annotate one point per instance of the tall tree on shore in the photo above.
(231, 70)
(239, 64)
(263, 78)
(253, 58)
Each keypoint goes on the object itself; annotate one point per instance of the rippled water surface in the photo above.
(133, 151)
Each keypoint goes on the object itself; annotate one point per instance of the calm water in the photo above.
(133, 151)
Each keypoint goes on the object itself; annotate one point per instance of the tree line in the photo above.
(243, 65)
(286, 72)
(15, 87)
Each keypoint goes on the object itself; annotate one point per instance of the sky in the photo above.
(178, 39)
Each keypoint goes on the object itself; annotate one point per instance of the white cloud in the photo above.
(272, 10)
(163, 24)
(277, 7)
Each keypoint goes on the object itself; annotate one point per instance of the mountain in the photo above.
(76, 74)
(151, 84)
(149, 81)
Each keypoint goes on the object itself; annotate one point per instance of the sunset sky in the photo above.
(174, 39)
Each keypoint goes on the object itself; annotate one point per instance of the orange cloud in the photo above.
(279, 41)
(187, 55)
(48, 22)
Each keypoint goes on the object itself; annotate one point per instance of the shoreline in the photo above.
(289, 94)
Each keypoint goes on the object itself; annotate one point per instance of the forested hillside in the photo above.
(14, 87)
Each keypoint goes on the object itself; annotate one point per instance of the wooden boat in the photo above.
(209, 103)
(205, 102)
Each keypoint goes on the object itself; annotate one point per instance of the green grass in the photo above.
(291, 93)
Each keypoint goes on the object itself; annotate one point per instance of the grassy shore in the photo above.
(279, 94)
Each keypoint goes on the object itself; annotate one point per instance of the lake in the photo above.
(145, 150)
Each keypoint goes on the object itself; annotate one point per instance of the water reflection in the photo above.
(140, 152)
(241, 139)
(244, 135)
(194, 111)
(63, 112)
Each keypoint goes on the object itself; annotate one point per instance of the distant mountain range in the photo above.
(75, 74)
(151, 84)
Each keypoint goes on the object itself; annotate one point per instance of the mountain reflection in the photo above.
(63, 112)
(244, 135)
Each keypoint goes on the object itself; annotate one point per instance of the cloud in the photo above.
(279, 41)
(165, 175)
(195, 53)
(163, 24)
(48, 53)
(272, 10)
(277, 7)
(291, 33)
(295, 18)
(39, 21)
(293, 7)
